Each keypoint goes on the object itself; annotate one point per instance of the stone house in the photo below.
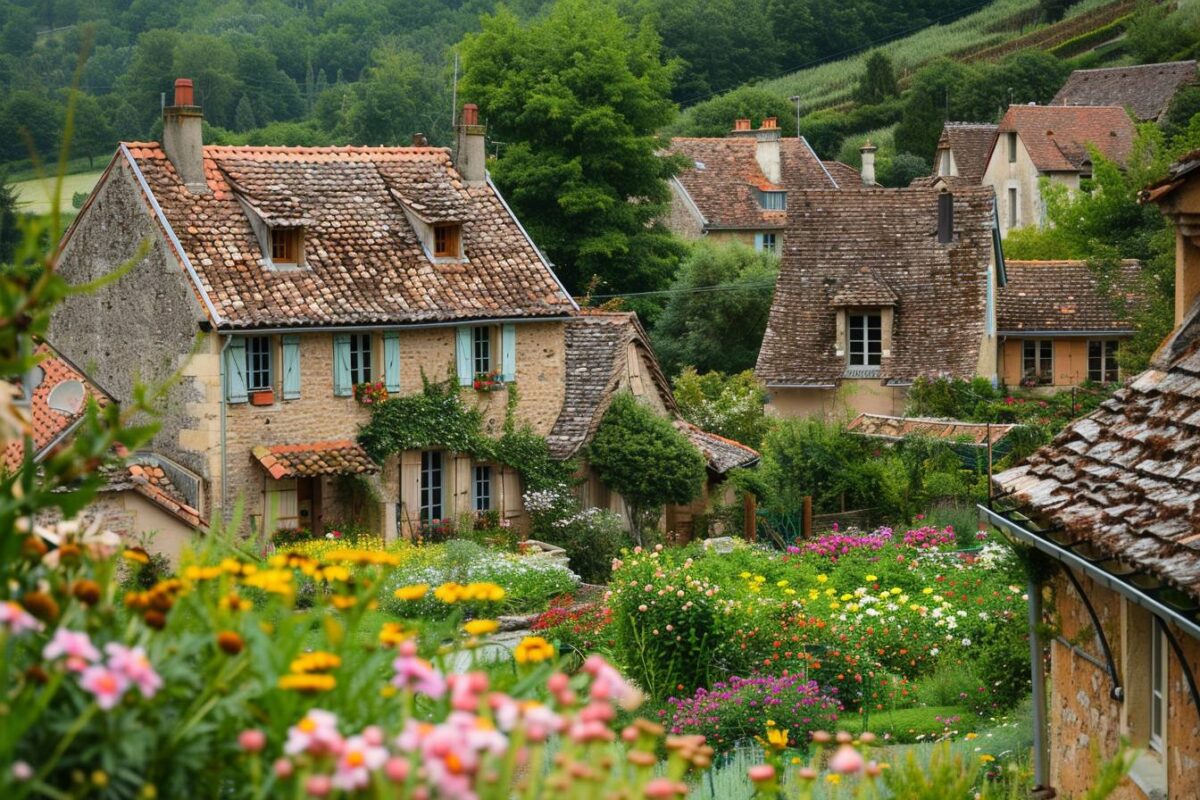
(1146, 91)
(1058, 326)
(280, 283)
(735, 188)
(1051, 142)
(879, 287)
(963, 150)
(1114, 503)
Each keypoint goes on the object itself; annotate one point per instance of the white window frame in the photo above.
(482, 360)
(433, 485)
(481, 483)
(1107, 375)
(769, 243)
(1013, 198)
(1039, 358)
(859, 328)
(1159, 689)
(260, 366)
(361, 353)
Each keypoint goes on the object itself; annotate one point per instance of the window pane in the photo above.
(360, 357)
(258, 362)
(431, 485)
(482, 349)
(1111, 369)
(483, 488)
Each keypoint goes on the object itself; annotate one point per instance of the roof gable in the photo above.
(1057, 137)
(971, 143)
(1146, 90)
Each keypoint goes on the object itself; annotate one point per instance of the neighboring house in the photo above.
(1114, 502)
(878, 287)
(1059, 326)
(963, 150)
(1050, 142)
(280, 280)
(140, 497)
(736, 187)
(1146, 91)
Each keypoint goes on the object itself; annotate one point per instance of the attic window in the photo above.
(772, 201)
(447, 240)
(287, 245)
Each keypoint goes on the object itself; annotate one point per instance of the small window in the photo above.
(258, 363)
(431, 485)
(483, 488)
(768, 243)
(481, 350)
(1037, 362)
(360, 358)
(287, 245)
(1012, 147)
(944, 163)
(1158, 689)
(866, 340)
(1013, 217)
(773, 201)
(1102, 361)
(446, 241)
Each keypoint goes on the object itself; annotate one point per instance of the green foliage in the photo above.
(1163, 32)
(717, 310)
(878, 82)
(1054, 10)
(641, 456)
(592, 537)
(923, 723)
(727, 405)
(947, 774)
(904, 168)
(715, 117)
(577, 96)
(826, 129)
(811, 457)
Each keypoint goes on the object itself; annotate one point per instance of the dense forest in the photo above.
(365, 71)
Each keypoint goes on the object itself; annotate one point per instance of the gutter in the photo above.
(1065, 334)
(327, 328)
(224, 405)
(801, 385)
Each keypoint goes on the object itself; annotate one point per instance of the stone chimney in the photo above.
(470, 154)
(867, 151)
(767, 145)
(182, 138)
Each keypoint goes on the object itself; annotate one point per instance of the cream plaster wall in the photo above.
(1001, 174)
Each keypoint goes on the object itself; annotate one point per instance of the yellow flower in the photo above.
(745, 575)
(202, 573)
(789, 591)
(137, 555)
(927, 590)
(532, 650)
(777, 738)
(307, 683)
(833, 778)
(985, 758)
(759, 579)
(331, 572)
(481, 627)
(895, 590)
(415, 592)
(971, 736)
(317, 661)
(393, 633)
(781, 584)
(872, 578)
(822, 578)
(342, 602)
(364, 557)
(846, 597)
(234, 603)
(274, 581)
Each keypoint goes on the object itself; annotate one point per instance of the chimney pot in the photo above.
(419, 140)
(770, 123)
(184, 95)
(867, 151)
(470, 114)
(470, 152)
(741, 124)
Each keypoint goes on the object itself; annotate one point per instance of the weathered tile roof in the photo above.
(726, 172)
(846, 176)
(364, 261)
(941, 289)
(150, 481)
(721, 454)
(54, 413)
(971, 143)
(1146, 90)
(887, 427)
(865, 288)
(340, 457)
(1126, 478)
(1065, 296)
(1057, 137)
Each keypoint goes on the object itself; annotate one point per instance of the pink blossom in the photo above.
(356, 762)
(106, 684)
(418, 675)
(318, 786)
(317, 733)
(21, 771)
(133, 664)
(396, 769)
(283, 768)
(75, 645)
(761, 773)
(847, 761)
(17, 619)
(252, 740)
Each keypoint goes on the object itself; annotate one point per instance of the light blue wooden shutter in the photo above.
(291, 367)
(462, 352)
(235, 370)
(758, 242)
(341, 365)
(391, 361)
(508, 351)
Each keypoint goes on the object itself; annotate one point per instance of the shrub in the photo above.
(584, 629)
(592, 538)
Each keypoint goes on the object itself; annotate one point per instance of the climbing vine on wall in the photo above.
(436, 417)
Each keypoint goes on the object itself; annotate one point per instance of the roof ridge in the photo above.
(1126, 68)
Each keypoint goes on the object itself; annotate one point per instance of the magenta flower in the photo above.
(131, 662)
(106, 685)
(418, 675)
(75, 645)
(357, 760)
(17, 619)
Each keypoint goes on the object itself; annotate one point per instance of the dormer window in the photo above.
(287, 245)
(447, 240)
(865, 339)
(772, 200)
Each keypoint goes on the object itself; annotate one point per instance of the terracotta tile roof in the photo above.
(341, 457)
(941, 289)
(1174, 178)
(1057, 136)
(1066, 296)
(726, 172)
(721, 454)
(53, 412)
(846, 176)
(364, 261)
(152, 482)
(1146, 90)
(887, 427)
(1126, 478)
(971, 144)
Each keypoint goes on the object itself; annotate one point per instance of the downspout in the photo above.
(223, 401)
(1041, 778)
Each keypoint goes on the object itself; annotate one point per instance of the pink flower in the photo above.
(318, 786)
(75, 645)
(418, 675)
(356, 762)
(283, 768)
(252, 740)
(132, 663)
(107, 685)
(21, 771)
(396, 769)
(17, 619)
(317, 733)
(760, 773)
(847, 761)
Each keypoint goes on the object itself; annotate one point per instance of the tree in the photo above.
(928, 104)
(727, 405)
(642, 457)
(905, 167)
(10, 234)
(92, 133)
(878, 81)
(715, 118)
(398, 96)
(577, 98)
(1054, 10)
(243, 115)
(717, 310)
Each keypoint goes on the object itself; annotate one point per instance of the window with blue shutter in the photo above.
(342, 385)
(235, 370)
(758, 242)
(291, 367)
(508, 352)
(391, 361)
(462, 353)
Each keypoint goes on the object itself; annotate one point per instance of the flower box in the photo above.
(488, 381)
(262, 397)
(370, 394)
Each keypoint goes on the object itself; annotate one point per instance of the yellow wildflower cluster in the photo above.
(414, 592)
(533, 650)
(462, 593)
(317, 661)
(363, 557)
(307, 684)
(273, 581)
(393, 633)
(309, 673)
(481, 627)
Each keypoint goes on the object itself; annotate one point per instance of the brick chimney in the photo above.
(766, 139)
(470, 154)
(867, 151)
(182, 138)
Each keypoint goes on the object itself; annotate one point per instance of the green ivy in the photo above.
(436, 417)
